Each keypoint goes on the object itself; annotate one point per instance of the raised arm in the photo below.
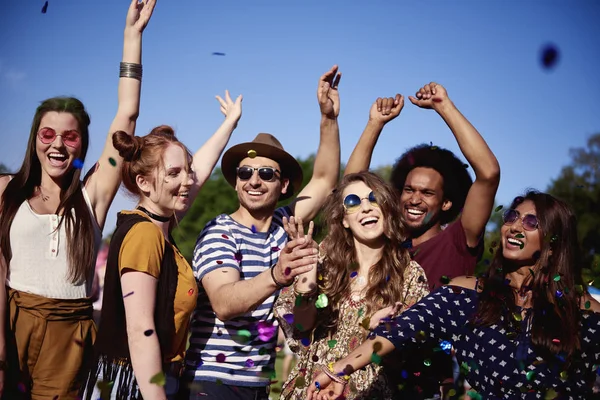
(382, 111)
(480, 199)
(105, 178)
(326, 170)
(207, 156)
(3, 271)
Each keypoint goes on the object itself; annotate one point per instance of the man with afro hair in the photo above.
(435, 186)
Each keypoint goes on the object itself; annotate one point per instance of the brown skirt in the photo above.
(49, 344)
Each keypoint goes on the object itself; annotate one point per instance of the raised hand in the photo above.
(386, 109)
(327, 93)
(230, 109)
(294, 227)
(430, 96)
(139, 14)
(297, 257)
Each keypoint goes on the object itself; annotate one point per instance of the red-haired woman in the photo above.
(149, 288)
(365, 275)
(50, 231)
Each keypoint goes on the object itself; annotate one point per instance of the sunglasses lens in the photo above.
(510, 216)
(530, 222)
(244, 173)
(266, 174)
(352, 203)
(47, 136)
(71, 139)
(373, 199)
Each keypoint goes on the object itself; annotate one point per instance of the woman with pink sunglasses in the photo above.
(50, 231)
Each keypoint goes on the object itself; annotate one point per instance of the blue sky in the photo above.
(486, 54)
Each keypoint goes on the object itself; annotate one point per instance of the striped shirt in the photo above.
(240, 351)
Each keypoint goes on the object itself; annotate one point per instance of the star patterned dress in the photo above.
(368, 383)
(497, 365)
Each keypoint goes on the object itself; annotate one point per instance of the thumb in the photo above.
(397, 99)
(413, 100)
(239, 99)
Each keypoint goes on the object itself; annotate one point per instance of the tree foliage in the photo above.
(3, 169)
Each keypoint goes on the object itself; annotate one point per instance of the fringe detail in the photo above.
(109, 370)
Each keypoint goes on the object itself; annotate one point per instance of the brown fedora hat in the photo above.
(263, 145)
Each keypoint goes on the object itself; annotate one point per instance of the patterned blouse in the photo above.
(367, 383)
(498, 364)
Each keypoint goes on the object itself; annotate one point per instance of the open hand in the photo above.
(230, 109)
(297, 257)
(327, 93)
(386, 109)
(139, 14)
(326, 389)
(430, 96)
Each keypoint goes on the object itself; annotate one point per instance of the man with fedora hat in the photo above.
(243, 259)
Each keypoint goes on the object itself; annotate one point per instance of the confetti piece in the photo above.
(253, 228)
(219, 382)
(289, 318)
(331, 343)
(521, 246)
(353, 274)
(587, 305)
(518, 317)
(159, 379)
(300, 382)
(128, 294)
(559, 294)
(550, 394)
(243, 335)
(407, 244)
(519, 236)
(220, 358)
(421, 336)
(376, 358)
(466, 166)
(216, 53)
(315, 358)
(252, 153)
(530, 375)
(556, 341)
(427, 362)
(148, 332)
(219, 262)
(275, 249)
(112, 161)
(474, 395)
(190, 292)
(266, 330)
(451, 393)
(45, 8)
(322, 301)
(556, 278)
(446, 346)
(249, 363)
(366, 323)
(262, 351)
(579, 289)
(564, 375)
(549, 56)
(77, 163)
(287, 271)
(498, 208)
(305, 342)
(445, 280)
(238, 256)
(219, 333)
(224, 236)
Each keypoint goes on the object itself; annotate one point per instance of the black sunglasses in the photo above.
(529, 221)
(266, 174)
(352, 202)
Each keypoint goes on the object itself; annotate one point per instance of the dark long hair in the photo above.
(80, 233)
(386, 278)
(555, 282)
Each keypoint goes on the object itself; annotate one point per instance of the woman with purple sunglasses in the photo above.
(527, 329)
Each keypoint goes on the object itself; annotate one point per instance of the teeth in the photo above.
(184, 194)
(254, 193)
(57, 155)
(514, 241)
(414, 211)
(367, 220)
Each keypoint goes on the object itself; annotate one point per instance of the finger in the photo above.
(239, 99)
(427, 91)
(221, 101)
(224, 111)
(433, 86)
(419, 94)
(389, 105)
(397, 99)
(311, 228)
(413, 100)
(228, 97)
(149, 7)
(324, 92)
(300, 227)
(299, 271)
(328, 76)
(378, 102)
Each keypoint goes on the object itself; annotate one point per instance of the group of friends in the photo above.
(386, 306)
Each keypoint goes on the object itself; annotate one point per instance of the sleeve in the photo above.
(415, 285)
(214, 249)
(459, 239)
(439, 316)
(142, 249)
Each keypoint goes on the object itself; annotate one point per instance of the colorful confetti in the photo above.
(376, 358)
(112, 161)
(191, 292)
(305, 342)
(322, 301)
(253, 228)
(549, 56)
(249, 363)
(266, 330)
(77, 163)
(445, 280)
(498, 208)
(289, 318)
(331, 343)
(128, 294)
(252, 153)
(220, 358)
(45, 8)
(159, 379)
(148, 332)
(353, 274)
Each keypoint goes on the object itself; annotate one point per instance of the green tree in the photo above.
(579, 185)
(3, 169)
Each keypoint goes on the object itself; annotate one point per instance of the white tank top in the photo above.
(39, 262)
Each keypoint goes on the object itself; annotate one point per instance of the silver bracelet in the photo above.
(130, 70)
